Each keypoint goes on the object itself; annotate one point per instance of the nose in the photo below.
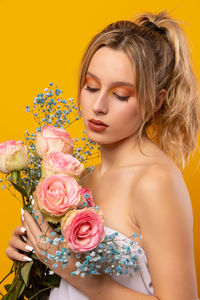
(100, 104)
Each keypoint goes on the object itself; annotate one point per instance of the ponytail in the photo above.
(174, 128)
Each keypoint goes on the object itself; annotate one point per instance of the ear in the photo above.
(160, 98)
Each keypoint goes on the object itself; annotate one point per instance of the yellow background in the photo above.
(42, 42)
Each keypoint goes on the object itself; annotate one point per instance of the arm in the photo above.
(163, 212)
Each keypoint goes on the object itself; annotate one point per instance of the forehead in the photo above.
(112, 65)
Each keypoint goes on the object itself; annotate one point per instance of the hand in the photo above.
(42, 250)
(16, 243)
(35, 231)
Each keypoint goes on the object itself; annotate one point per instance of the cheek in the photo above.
(84, 100)
(130, 117)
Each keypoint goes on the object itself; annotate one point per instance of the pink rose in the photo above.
(53, 139)
(57, 194)
(87, 196)
(82, 229)
(59, 162)
(13, 156)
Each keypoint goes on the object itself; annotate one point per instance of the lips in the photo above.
(97, 127)
(98, 122)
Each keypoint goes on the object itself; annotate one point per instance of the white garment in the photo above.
(140, 281)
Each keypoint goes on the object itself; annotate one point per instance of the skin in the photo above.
(137, 193)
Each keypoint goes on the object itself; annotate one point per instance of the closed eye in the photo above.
(92, 90)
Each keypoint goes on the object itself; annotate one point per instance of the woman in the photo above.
(139, 101)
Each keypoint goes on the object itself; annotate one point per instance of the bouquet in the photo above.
(45, 170)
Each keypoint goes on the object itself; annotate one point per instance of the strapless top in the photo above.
(139, 281)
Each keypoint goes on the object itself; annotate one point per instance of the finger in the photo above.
(32, 225)
(34, 233)
(22, 215)
(43, 224)
(13, 254)
(28, 242)
(17, 243)
(19, 231)
(47, 231)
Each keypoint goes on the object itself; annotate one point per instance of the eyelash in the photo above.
(118, 97)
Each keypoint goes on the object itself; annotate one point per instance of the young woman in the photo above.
(139, 101)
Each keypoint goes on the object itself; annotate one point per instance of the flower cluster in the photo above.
(110, 257)
(46, 172)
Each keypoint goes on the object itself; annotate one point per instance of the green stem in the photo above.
(20, 184)
(11, 271)
(41, 291)
(16, 176)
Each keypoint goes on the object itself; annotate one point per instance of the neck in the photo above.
(121, 153)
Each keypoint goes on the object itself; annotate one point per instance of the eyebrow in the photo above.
(113, 83)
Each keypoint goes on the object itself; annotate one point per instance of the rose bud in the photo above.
(53, 139)
(13, 156)
(59, 162)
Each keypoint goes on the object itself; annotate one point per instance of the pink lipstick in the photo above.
(97, 125)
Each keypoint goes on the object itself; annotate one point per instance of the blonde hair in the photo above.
(161, 60)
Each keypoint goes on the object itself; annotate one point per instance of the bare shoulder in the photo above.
(163, 212)
(162, 186)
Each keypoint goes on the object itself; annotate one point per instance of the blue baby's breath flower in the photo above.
(27, 108)
(61, 238)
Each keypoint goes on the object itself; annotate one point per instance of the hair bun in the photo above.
(155, 28)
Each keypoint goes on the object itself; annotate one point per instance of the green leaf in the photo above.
(28, 190)
(7, 286)
(18, 288)
(25, 271)
(34, 256)
(14, 175)
(38, 271)
(19, 189)
(11, 291)
(13, 294)
(53, 280)
(29, 210)
(51, 219)
(44, 295)
(21, 290)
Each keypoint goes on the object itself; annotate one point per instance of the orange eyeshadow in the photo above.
(128, 91)
(90, 80)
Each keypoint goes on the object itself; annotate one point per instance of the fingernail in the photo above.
(26, 258)
(23, 229)
(29, 248)
(22, 214)
(32, 202)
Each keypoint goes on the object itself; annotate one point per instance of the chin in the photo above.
(101, 139)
